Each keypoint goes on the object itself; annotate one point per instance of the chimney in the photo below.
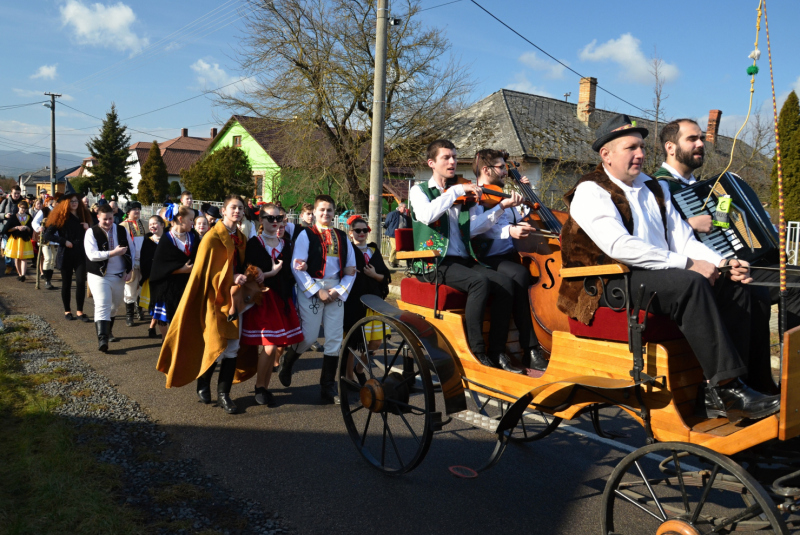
(586, 99)
(213, 133)
(712, 131)
(184, 132)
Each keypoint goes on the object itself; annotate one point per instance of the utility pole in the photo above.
(378, 115)
(52, 107)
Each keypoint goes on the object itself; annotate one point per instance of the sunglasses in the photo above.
(361, 230)
(273, 218)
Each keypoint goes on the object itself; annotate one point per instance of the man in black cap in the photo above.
(136, 231)
(618, 215)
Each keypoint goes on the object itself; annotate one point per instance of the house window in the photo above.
(237, 141)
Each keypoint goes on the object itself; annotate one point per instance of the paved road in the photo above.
(298, 460)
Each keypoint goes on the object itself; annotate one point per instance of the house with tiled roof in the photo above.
(35, 181)
(178, 153)
(268, 150)
(85, 169)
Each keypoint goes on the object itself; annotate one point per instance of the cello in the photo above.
(541, 250)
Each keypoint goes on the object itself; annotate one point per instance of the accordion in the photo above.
(751, 235)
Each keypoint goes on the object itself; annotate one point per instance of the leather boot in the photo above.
(111, 337)
(204, 385)
(102, 335)
(129, 310)
(227, 369)
(139, 314)
(285, 368)
(737, 401)
(329, 391)
(48, 275)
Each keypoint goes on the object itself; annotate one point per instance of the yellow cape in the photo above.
(204, 306)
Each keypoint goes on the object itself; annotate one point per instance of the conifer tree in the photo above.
(110, 171)
(789, 135)
(154, 184)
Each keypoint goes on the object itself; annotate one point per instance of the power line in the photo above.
(15, 106)
(61, 132)
(546, 53)
(99, 119)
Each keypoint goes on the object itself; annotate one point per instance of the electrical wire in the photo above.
(15, 106)
(546, 53)
(99, 119)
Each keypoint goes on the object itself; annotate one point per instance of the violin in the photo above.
(491, 195)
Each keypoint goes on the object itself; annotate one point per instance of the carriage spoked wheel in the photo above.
(685, 489)
(389, 417)
(533, 425)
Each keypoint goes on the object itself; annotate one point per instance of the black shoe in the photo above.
(227, 403)
(139, 314)
(69, 317)
(151, 332)
(204, 394)
(737, 401)
(84, 318)
(204, 385)
(264, 397)
(111, 337)
(537, 360)
(102, 335)
(484, 359)
(505, 364)
(315, 347)
(130, 309)
(287, 361)
(48, 285)
(329, 392)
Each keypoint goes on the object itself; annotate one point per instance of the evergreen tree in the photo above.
(789, 136)
(175, 189)
(154, 184)
(223, 172)
(111, 150)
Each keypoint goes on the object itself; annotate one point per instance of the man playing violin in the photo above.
(495, 248)
(440, 223)
(617, 214)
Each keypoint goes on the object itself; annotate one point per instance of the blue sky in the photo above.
(127, 52)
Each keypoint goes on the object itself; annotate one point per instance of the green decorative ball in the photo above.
(752, 69)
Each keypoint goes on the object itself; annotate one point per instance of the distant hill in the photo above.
(12, 163)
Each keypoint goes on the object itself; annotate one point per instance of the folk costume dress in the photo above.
(166, 287)
(136, 233)
(200, 332)
(275, 321)
(145, 266)
(354, 309)
(19, 244)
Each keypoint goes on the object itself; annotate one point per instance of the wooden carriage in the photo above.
(694, 475)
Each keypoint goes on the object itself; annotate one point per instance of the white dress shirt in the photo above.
(687, 181)
(307, 283)
(647, 247)
(426, 211)
(37, 221)
(116, 264)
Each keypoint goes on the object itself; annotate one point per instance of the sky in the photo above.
(147, 54)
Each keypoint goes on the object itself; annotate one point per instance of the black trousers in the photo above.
(479, 282)
(70, 265)
(509, 266)
(792, 295)
(723, 323)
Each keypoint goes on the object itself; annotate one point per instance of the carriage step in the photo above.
(476, 419)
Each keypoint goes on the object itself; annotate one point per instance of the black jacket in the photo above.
(13, 222)
(354, 309)
(72, 232)
(256, 255)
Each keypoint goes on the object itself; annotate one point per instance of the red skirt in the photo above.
(272, 323)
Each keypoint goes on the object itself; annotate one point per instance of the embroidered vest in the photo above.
(436, 236)
(674, 184)
(134, 229)
(318, 252)
(99, 268)
(578, 250)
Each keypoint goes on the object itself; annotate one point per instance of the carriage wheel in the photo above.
(533, 425)
(389, 418)
(685, 489)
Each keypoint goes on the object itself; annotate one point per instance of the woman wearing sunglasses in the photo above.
(274, 323)
(372, 278)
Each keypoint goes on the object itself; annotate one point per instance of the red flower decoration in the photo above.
(429, 243)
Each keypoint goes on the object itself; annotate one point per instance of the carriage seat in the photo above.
(416, 292)
(608, 324)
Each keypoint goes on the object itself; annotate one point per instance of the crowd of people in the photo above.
(176, 271)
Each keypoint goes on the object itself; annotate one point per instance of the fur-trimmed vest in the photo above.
(578, 250)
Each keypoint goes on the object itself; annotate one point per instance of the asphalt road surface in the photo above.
(298, 460)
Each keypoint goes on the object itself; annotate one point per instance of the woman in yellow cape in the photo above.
(185, 355)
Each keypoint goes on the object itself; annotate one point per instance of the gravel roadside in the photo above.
(170, 493)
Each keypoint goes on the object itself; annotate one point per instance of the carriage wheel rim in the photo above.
(676, 527)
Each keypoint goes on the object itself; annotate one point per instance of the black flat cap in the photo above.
(619, 125)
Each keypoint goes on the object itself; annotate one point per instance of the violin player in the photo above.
(440, 223)
(495, 248)
(619, 215)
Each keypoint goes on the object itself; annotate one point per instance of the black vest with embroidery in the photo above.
(99, 268)
(318, 255)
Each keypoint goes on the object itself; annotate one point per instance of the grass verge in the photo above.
(49, 484)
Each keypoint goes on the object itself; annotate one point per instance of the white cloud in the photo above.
(526, 86)
(211, 76)
(46, 72)
(551, 68)
(626, 52)
(102, 25)
(35, 93)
